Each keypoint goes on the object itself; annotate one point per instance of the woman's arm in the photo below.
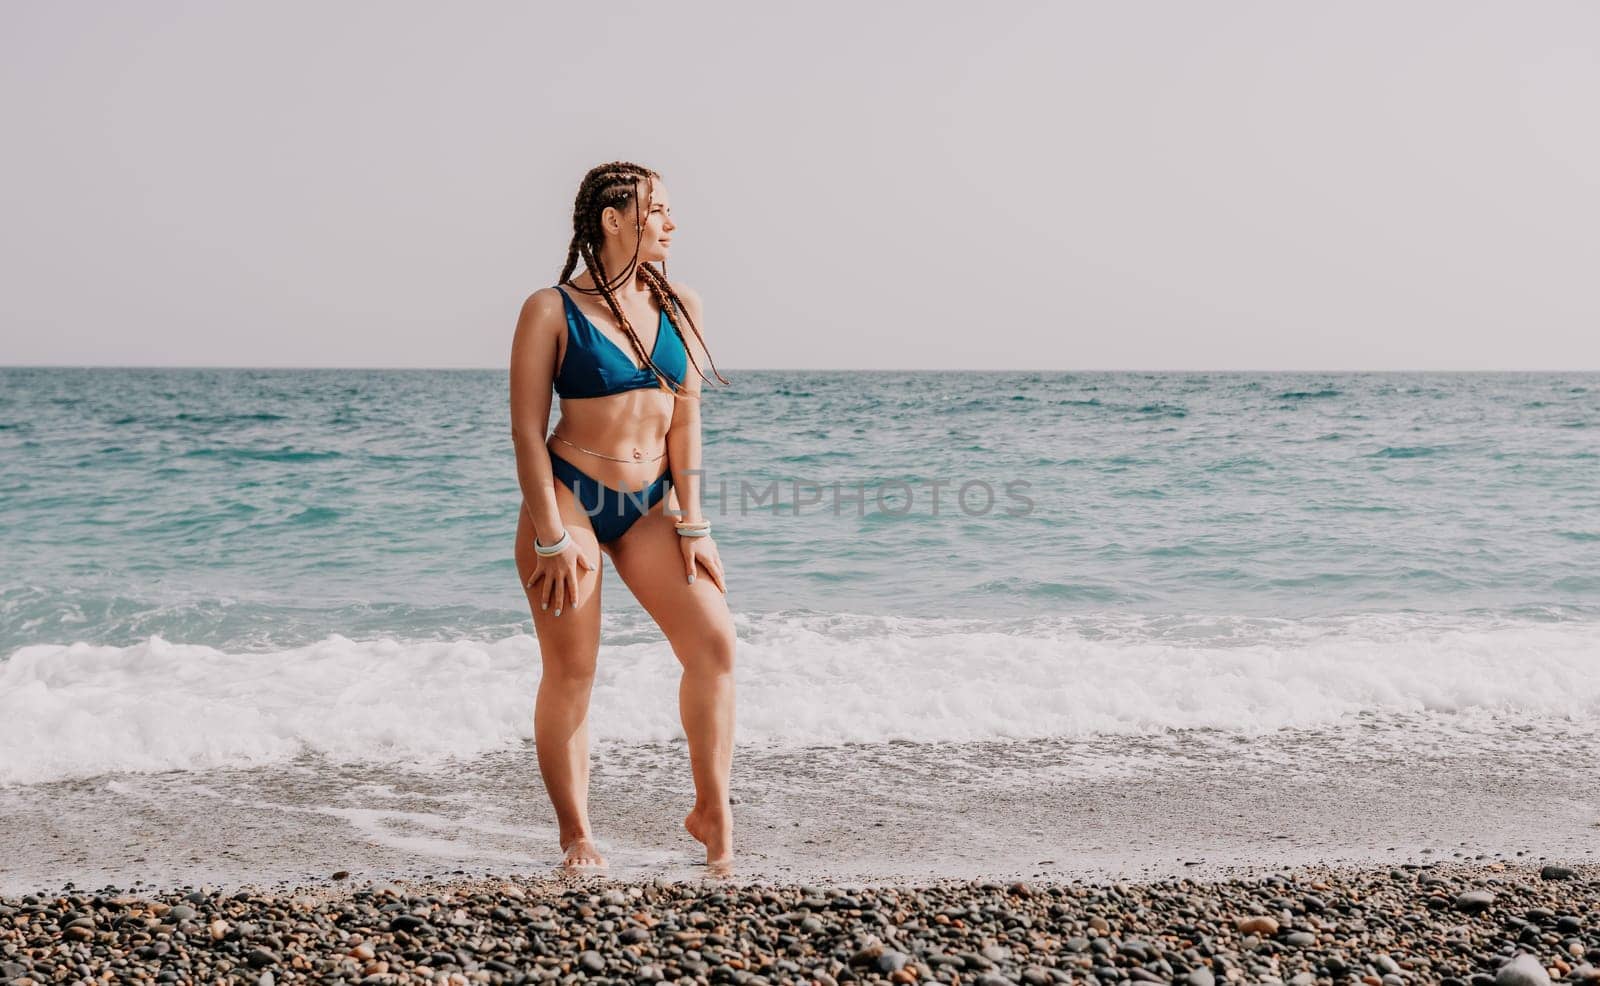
(683, 435)
(533, 362)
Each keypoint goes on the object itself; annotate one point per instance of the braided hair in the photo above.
(617, 185)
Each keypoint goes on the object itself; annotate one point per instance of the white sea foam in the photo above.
(803, 680)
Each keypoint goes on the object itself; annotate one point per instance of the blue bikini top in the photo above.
(594, 366)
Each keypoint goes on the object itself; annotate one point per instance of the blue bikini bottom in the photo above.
(611, 512)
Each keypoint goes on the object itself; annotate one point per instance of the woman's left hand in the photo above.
(703, 550)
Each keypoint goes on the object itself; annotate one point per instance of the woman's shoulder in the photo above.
(543, 314)
(544, 304)
(550, 297)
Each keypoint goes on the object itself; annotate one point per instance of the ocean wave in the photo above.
(262, 455)
(1405, 452)
(226, 418)
(804, 680)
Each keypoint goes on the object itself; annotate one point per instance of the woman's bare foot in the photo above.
(713, 825)
(582, 852)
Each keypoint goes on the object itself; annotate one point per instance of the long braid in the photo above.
(639, 210)
(673, 305)
(616, 185)
(608, 186)
(611, 182)
(647, 274)
(584, 229)
(598, 267)
(572, 262)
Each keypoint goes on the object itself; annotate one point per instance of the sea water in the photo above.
(292, 592)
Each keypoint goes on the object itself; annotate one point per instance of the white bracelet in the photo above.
(704, 532)
(551, 550)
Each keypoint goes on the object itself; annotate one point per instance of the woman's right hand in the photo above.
(560, 576)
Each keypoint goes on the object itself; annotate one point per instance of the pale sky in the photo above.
(1221, 185)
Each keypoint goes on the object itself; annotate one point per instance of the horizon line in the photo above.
(771, 369)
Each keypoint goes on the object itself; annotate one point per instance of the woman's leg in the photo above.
(699, 627)
(568, 647)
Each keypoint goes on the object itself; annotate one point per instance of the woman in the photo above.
(617, 477)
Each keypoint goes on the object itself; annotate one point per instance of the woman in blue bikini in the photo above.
(619, 476)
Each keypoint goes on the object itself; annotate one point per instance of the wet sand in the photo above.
(1191, 806)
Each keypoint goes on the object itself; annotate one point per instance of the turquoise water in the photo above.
(251, 509)
(1360, 611)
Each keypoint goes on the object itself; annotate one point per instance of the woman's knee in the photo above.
(709, 652)
(568, 674)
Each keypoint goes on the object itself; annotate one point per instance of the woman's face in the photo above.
(656, 238)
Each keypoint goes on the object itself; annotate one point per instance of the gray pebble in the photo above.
(1524, 970)
(1474, 901)
(260, 957)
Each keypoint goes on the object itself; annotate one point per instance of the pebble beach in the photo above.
(1453, 923)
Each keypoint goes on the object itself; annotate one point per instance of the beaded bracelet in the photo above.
(551, 550)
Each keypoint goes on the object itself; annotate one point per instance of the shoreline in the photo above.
(1448, 922)
(1188, 805)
